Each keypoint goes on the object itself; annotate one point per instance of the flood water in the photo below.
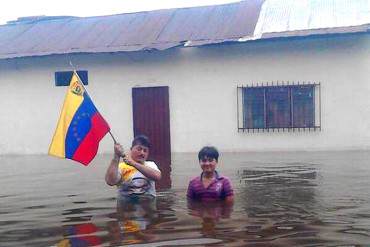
(281, 199)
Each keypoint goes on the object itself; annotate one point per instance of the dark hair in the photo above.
(142, 140)
(208, 152)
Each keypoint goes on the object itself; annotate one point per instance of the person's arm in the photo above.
(228, 191)
(112, 176)
(145, 170)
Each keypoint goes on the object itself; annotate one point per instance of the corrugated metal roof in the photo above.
(160, 29)
(163, 29)
(280, 18)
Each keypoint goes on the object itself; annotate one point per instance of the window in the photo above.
(279, 107)
(63, 78)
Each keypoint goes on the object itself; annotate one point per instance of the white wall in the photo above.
(202, 85)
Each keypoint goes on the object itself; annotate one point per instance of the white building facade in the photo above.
(202, 83)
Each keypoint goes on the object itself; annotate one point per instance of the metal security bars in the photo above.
(284, 106)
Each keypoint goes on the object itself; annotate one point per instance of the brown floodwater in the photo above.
(281, 199)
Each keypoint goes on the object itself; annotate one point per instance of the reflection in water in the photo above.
(80, 235)
(137, 220)
(271, 189)
(280, 202)
(134, 220)
(210, 214)
(290, 199)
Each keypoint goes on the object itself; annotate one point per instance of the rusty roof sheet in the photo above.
(164, 29)
(160, 29)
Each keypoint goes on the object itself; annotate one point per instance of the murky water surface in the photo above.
(282, 199)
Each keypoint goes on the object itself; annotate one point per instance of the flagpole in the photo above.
(115, 142)
(78, 77)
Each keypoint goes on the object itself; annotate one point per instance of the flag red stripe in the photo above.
(89, 146)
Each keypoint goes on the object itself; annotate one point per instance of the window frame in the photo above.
(314, 116)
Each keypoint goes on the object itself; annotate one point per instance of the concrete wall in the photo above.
(202, 85)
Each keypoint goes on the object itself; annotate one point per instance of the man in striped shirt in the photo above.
(210, 186)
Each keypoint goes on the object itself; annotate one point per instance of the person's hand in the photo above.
(127, 159)
(118, 151)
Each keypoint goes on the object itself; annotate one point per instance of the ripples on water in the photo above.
(282, 199)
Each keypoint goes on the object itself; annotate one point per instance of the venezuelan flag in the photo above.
(80, 127)
(81, 235)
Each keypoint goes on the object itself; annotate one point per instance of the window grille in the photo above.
(279, 107)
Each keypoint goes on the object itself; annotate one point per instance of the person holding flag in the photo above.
(135, 176)
(80, 129)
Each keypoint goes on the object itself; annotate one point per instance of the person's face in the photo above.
(139, 153)
(208, 164)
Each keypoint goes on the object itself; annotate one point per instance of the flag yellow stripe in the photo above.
(71, 103)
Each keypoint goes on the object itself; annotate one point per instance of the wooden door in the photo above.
(151, 117)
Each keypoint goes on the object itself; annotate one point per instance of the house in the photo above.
(256, 75)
